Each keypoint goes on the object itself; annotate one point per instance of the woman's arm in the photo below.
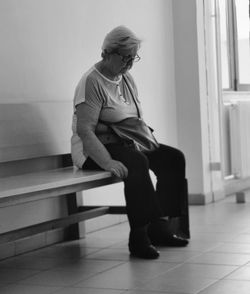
(87, 120)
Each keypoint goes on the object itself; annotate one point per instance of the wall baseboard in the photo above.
(199, 199)
(203, 199)
(31, 243)
(42, 240)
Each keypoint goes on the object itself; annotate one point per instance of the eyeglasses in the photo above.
(128, 58)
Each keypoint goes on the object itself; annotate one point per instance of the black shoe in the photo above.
(140, 245)
(147, 252)
(160, 234)
(172, 240)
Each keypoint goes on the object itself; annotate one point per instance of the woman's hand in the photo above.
(117, 168)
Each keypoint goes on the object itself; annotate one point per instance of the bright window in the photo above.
(235, 44)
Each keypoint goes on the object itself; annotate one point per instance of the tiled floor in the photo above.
(217, 261)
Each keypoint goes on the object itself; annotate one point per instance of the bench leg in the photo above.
(240, 197)
(183, 220)
(75, 231)
(184, 226)
(180, 226)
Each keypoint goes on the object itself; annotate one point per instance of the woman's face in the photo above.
(122, 60)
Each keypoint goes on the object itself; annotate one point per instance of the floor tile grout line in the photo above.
(22, 282)
(97, 274)
(208, 286)
(222, 279)
(159, 275)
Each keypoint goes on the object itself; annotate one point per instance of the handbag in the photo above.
(135, 129)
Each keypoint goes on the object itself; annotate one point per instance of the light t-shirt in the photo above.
(111, 99)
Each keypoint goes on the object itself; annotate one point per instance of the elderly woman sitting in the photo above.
(107, 93)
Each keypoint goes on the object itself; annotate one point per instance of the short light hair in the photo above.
(120, 38)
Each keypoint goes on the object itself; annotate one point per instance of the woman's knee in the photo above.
(175, 156)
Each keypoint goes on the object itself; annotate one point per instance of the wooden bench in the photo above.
(35, 166)
(68, 181)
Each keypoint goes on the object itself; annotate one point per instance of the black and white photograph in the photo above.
(124, 146)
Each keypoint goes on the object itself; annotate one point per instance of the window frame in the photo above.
(233, 49)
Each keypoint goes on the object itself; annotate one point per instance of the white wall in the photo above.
(46, 45)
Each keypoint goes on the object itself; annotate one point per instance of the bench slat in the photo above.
(53, 224)
(55, 192)
(42, 185)
(33, 182)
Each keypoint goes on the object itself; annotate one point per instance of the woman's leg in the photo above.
(141, 200)
(168, 164)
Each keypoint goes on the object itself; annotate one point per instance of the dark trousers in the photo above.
(144, 202)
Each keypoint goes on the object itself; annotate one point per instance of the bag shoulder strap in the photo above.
(132, 94)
